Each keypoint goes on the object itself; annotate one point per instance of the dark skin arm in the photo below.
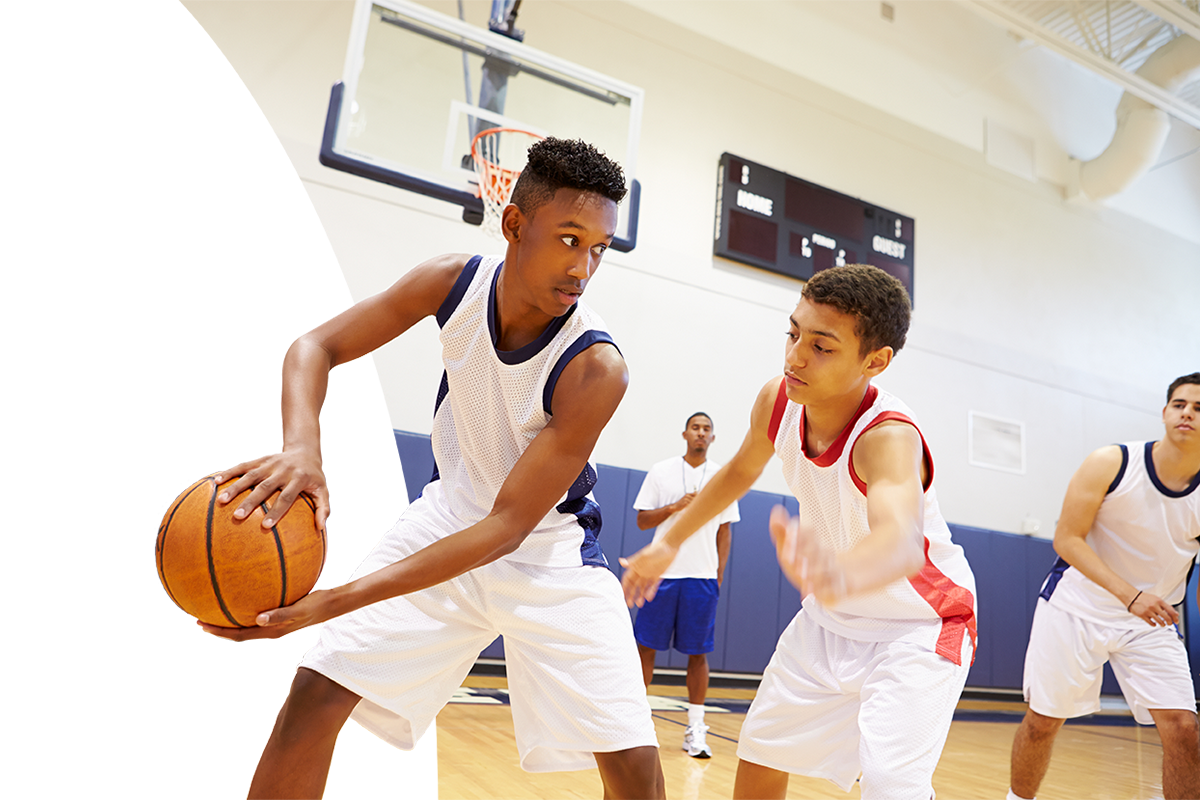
(355, 332)
(653, 517)
(585, 398)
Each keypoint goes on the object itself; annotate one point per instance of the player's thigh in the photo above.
(804, 718)
(574, 674)
(696, 618)
(1152, 668)
(908, 703)
(1064, 663)
(654, 625)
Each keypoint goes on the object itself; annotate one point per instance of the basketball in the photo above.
(226, 571)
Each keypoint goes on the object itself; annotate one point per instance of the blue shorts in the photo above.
(686, 607)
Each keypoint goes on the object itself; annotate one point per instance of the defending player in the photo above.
(1126, 541)
(503, 539)
(867, 676)
(684, 611)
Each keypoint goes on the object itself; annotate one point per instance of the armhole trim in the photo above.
(927, 457)
(585, 340)
(457, 291)
(781, 401)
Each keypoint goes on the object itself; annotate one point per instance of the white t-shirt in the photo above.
(668, 481)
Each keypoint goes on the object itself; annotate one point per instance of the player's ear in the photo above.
(511, 222)
(877, 361)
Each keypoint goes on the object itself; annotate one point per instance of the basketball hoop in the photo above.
(499, 155)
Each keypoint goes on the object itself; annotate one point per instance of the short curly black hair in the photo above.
(566, 163)
(1180, 381)
(877, 301)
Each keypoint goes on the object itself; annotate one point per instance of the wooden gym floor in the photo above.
(477, 753)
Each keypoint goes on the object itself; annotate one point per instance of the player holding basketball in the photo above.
(685, 608)
(1126, 541)
(503, 539)
(867, 676)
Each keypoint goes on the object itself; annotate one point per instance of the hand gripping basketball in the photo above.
(290, 473)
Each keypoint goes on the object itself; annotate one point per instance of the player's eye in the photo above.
(599, 249)
(571, 241)
(820, 349)
(790, 334)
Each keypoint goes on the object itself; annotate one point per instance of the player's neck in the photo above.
(1175, 466)
(695, 460)
(825, 421)
(518, 322)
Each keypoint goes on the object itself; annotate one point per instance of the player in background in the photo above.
(503, 538)
(866, 677)
(685, 607)
(1127, 538)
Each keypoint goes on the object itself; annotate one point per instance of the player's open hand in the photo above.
(1154, 610)
(289, 473)
(643, 572)
(311, 609)
(811, 568)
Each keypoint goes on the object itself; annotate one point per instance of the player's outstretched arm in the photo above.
(644, 569)
(1085, 493)
(585, 398)
(889, 459)
(355, 332)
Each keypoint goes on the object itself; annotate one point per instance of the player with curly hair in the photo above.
(865, 679)
(503, 539)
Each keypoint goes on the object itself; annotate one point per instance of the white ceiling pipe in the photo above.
(1141, 128)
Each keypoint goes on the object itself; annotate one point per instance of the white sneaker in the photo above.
(694, 743)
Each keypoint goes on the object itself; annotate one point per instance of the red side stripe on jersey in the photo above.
(954, 604)
(781, 401)
(884, 417)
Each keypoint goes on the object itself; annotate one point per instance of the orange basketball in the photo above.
(225, 571)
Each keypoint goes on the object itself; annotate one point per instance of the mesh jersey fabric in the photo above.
(1146, 533)
(935, 608)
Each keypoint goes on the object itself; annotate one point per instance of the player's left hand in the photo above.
(1154, 610)
(643, 572)
(811, 568)
(308, 610)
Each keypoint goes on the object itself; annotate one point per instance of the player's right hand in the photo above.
(643, 572)
(289, 473)
(1154, 610)
(312, 609)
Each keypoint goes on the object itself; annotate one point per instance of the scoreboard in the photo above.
(777, 222)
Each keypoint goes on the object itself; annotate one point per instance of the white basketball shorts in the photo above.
(1065, 660)
(831, 707)
(574, 676)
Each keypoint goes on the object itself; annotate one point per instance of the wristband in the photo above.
(1129, 607)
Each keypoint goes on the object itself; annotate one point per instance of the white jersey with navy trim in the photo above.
(1146, 533)
(935, 608)
(491, 405)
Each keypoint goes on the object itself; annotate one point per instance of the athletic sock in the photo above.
(1014, 796)
(695, 714)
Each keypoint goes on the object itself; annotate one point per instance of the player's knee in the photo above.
(315, 704)
(1040, 726)
(1179, 727)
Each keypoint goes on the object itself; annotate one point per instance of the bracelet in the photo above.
(1131, 602)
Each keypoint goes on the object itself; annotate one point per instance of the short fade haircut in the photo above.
(1180, 381)
(687, 424)
(877, 301)
(565, 164)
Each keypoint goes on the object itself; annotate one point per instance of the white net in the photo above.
(499, 155)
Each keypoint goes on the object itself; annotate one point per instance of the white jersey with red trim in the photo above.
(934, 608)
(1145, 532)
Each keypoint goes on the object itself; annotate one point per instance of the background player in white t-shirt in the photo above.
(684, 611)
(1126, 541)
(866, 677)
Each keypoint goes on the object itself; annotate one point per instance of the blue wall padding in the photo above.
(757, 602)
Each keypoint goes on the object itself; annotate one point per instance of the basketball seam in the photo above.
(282, 560)
(162, 537)
(212, 567)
